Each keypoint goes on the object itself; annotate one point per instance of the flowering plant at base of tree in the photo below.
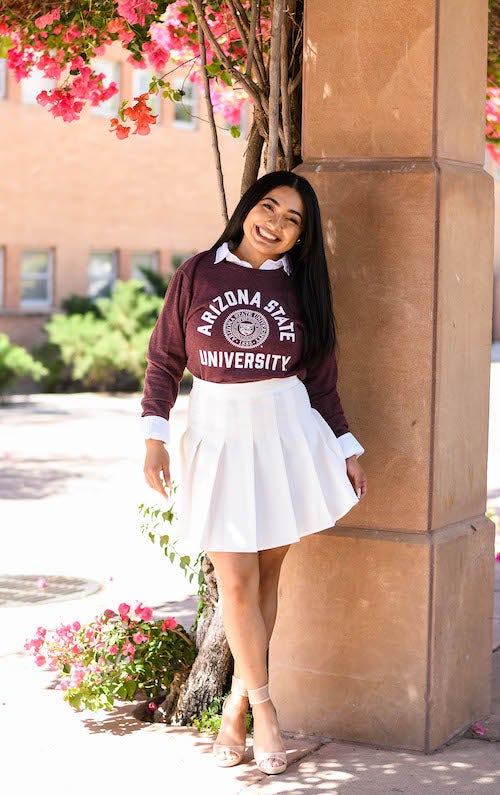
(62, 43)
(116, 656)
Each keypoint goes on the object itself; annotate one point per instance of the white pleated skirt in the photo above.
(260, 467)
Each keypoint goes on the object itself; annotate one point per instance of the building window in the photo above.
(36, 278)
(141, 79)
(32, 86)
(102, 273)
(3, 78)
(2, 272)
(144, 259)
(179, 259)
(186, 110)
(111, 72)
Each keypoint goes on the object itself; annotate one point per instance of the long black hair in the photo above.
(309, 272)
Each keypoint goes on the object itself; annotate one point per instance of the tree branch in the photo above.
(247, 33)
(285, 99)
(248, 84)
(211, 119)
(274, 85)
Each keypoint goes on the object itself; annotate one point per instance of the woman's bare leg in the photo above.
(248, 585)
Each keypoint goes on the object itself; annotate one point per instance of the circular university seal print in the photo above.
(246, 328)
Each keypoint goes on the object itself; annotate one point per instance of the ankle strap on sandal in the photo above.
(238, 686)
(259, 694)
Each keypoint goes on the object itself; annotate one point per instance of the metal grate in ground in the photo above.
(32, 589)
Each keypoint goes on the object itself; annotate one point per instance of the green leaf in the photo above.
(5, 44)
(235, 131)
(226, 77)
(131, 686)
(172, 557)
(214, 68)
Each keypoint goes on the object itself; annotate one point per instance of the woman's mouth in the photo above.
(267, 236)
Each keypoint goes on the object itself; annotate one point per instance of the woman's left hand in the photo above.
(357, 476)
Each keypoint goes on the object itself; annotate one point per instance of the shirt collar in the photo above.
(224, 253)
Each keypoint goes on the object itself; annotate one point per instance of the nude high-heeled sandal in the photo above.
(237, 752)
(257, 696)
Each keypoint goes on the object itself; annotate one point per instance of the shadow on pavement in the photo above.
(35, 479)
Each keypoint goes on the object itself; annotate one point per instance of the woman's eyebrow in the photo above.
(276, 202)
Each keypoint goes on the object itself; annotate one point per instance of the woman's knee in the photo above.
(270, 562)
(237, 575)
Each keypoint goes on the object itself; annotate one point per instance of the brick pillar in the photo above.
(384, 631)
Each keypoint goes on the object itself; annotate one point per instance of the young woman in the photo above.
(267, 456)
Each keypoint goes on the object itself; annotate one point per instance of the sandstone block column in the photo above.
(384, 631)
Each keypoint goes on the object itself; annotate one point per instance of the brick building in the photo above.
(80, 209)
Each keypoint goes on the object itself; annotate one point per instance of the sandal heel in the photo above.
(237, 751)
(258, 696)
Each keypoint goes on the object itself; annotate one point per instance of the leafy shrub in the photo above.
(116, 656)
(109, 351)
(156, 281)
(16, 362)
(58, 376)
(80, 305)
(210, 719)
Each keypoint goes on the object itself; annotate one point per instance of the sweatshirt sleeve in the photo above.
(166, 355)
(321, 385)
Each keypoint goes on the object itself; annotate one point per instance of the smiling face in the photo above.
(273, 226)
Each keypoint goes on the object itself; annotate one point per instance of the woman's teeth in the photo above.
(266, 235)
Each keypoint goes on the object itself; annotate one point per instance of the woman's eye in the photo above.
(268, 206)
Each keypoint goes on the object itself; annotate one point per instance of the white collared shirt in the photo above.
(224, 252)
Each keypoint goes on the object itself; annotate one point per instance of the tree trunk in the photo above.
(253, 156)
(209, 675)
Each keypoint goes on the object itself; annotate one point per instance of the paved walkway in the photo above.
(70, 483)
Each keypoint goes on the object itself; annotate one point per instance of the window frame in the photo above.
(103, 110)
(191, 123)
(31, 303)
(48, 85)
(3, 78)
(155, 99)
(2, 277)
(114, 271)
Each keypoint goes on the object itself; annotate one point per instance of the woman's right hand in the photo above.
(157, 462)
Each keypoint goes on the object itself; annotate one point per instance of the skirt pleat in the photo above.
(260, 468)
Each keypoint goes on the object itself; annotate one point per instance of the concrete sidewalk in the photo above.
(70, 483)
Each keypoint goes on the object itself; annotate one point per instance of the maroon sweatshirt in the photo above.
(230, 324)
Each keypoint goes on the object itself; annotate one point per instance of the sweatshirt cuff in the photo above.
(156, 428)
(350, 445)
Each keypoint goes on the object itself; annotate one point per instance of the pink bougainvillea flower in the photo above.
(135, 11)
(128, 649)
(139, 637)
(109, 613)
(113, 649)
(48, 19)
(169, 623)
(497, 557)
(152, 706)
(120, 129)
(124, 610)
(40, 660)
(478, 729)
(143, 612)
(41, 583)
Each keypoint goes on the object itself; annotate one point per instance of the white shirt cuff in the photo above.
(156, 428)
(350, 445)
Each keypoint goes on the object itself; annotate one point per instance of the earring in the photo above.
(299, 240)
